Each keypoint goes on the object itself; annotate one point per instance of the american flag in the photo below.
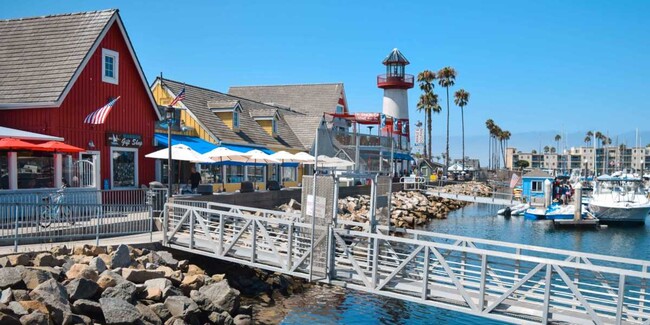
(514, 180)
(99, 116)
(178, 98)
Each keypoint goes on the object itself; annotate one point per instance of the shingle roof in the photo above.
(39, 55)
(311, 99)
(395, 56)
(263, 112)
(250, 132)
(537, 173)
(222, 104)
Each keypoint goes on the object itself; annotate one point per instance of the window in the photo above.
(124, 167)
(537, 186)
(289, 174)
(35, 169)
(275, 127)
(339, 109)
(255, 173)
(4, 171)
(234, 174)
(110, 66)
(235, 119)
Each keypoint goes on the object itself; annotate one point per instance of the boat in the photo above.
(515, 210)
(554, 212)
(619, 199)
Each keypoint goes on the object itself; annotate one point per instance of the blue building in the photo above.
(532, 184)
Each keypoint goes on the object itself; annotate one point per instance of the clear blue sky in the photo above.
(529, 65)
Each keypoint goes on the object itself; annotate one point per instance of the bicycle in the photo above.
(54, 210)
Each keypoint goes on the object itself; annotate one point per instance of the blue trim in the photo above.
(402, 156)
(244, 148)
(197, 144)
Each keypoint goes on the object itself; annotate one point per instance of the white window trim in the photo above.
(116, 66)
(532, 188)
(137, 165)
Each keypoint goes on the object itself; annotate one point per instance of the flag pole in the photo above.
(170, 116)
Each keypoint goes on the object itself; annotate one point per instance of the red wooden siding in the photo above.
(133, 113)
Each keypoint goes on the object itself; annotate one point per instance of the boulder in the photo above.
(72, 319)
(192, 282)
(82, 271)
(220, 318)
(19, 259)
(160, 283)
(218, 277)
(121, 257)
(4, 262)
(161, 311)
(17, 308)
(148, 316)
(153, 294)
(243, 320)
(97, 264)
(6, 296)
(89, 308)
(194, 270)
(176, 321)
(92, 250)
(34, 277)
(81, 289)
(109, 279)
(181, 306)
(118, 311)
(55, 297)
(11, 277)
(6, 319)
(35, 318)
(171, 291)
(60, 250)
(166, 258)
(46, 259)
(140, 276)
(33, 305)
(20, 295)
(124, 291)
(222, 296)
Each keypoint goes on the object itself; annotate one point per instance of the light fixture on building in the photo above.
(91, 144)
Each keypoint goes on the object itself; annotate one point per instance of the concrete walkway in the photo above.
(130, 240)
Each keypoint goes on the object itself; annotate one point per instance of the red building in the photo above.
(54, 71)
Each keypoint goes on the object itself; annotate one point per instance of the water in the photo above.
(340, 306)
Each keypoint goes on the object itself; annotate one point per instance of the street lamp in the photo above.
(169, 115)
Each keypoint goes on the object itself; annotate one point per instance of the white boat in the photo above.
(620, 199)
(515, 210)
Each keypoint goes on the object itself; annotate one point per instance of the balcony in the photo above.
(395, 82)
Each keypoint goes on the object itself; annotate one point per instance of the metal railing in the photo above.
(411, 183)
(503, 281)
(29, 223)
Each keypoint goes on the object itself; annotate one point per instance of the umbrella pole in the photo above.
(223, 179)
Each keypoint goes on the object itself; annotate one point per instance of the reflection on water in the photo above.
(323, 305)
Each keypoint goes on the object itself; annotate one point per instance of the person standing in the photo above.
(195, 179)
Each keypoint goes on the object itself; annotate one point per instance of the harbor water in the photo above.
(324, 305)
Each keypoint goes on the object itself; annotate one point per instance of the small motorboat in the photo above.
(515, 210)
(554, 212)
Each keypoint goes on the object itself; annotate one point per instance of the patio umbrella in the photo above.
(284, 156)
(305, 158)
(333, 162)
(180, 152)
(12, 144)
(57, 146)
(257, 156)
(221, 154)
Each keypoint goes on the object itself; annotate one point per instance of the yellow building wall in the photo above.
(226, 117)
(163, 98)
(267, 125)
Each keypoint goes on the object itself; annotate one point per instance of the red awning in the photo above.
(15, 144)
(57, 146)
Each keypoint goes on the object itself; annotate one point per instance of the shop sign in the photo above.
(124, 140)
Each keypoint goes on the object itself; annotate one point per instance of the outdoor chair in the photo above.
(272, 186)
(246, 187)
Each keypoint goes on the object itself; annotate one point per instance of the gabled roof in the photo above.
(250, 132)
(395, 56)
(41, 57)
(263, 112)
(312, 100)
(537, 173)
(222, 104)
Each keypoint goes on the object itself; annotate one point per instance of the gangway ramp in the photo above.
(498, 280)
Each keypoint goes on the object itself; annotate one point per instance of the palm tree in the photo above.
(504, 136)
(489, 124)
(587, 140)
(428, 102)
(447, 78)
(598, 136)
(557, 140)
(547, 149)
(534, 152)
(461, 98)
(553, 150)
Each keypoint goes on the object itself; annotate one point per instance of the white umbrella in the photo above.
(305, 158)
(284, 156)
(257, 156)
(179, 152)
(221, 154)
(333, 162)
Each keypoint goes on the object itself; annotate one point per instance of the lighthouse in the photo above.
(395, 83)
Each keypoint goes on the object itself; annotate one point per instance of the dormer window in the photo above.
(110, 66)
(275, 126)
(235, 119)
